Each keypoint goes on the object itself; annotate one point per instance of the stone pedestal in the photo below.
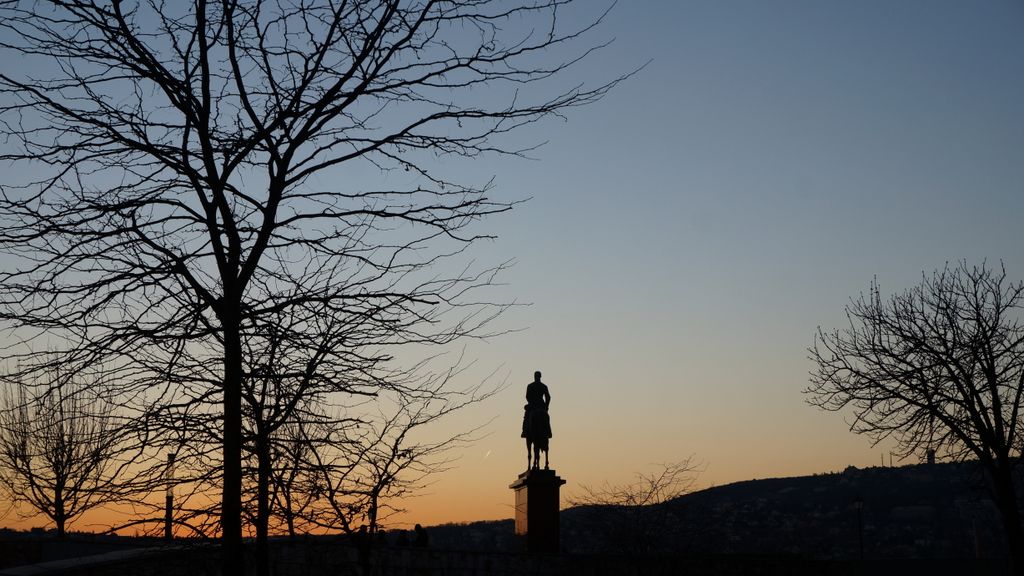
(537, 509)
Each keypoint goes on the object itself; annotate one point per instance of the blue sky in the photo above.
(688, 233)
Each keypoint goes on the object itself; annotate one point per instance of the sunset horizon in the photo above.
(269, 270)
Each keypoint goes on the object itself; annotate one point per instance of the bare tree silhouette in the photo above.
(638, 517)
(293, 490)
(343, 403)
(939, 366)
(360, 470)
(196, 167)
(57, 449)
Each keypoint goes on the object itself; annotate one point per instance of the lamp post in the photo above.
(169, 499)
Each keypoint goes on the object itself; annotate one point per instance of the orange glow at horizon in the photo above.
(476, 488)
(687, 234)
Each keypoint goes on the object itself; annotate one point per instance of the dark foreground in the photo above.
(325, 558)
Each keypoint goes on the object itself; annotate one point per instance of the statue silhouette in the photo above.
(536, 422)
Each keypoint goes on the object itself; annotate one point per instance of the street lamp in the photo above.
(169, 498)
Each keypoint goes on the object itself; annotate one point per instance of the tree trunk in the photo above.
(59, 517)
(1006, 500)
(262, 506)
(231, 495)
(372, 512)
(288, 514)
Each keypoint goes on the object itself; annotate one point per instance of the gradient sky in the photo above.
(688, 233)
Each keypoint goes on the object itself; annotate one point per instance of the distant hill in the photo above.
(922, 511)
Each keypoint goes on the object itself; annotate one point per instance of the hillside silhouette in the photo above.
(936, 519)
(921, 511)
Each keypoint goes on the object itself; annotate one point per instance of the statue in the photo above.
(536, 423)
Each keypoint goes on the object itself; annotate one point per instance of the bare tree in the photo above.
(295, 363)
(57, 450)
(312, 371)
(939, 366)
(639, 517)
(362, 470)
(294, 489)
(196, 169)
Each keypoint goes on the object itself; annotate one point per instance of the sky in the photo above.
(687, 234)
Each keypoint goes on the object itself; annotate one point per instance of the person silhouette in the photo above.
(422, 538)
(361, 539)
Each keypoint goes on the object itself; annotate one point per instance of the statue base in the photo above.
(537, 503)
